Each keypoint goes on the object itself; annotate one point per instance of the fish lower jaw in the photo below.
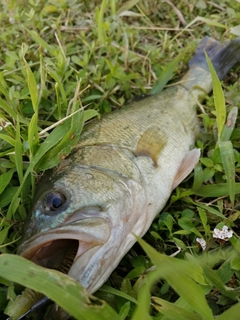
(81, 269)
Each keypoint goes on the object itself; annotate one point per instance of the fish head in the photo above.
(84, 208)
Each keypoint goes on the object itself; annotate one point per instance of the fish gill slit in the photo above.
(68, 259)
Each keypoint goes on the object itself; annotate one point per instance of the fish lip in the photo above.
(76, 230)
(31, 246)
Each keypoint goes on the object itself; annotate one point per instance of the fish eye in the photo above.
(54, 201)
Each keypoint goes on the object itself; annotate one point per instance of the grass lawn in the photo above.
(60, 55)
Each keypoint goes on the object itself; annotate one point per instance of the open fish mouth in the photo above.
(58, 254)
(69, 246)
(61, 247)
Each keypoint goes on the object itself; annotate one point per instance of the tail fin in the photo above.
(223, 57)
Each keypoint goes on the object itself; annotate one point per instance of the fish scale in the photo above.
(125, 127)
(121, 174)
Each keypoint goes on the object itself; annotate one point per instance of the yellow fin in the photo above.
(187, 165)
(151, 144)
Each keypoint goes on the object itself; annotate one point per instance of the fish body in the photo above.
(120, 175)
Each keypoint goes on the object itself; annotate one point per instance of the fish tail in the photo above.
(223, 57)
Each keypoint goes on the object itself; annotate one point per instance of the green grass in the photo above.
(64, 62)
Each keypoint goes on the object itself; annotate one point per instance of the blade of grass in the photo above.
(128, 5)
(64, 147)
(207, 208)
(228, 160)
(33, 136)
(77, 302)
(4, 226)
(52, 158)
(58, 101)
(235, 243)
(18, 153)
(7, 196)
(124, 310)
(42, 75)
(214, 279)
(118, 293)
(58, 80)
(198, 177)
(179, 275)
(215, 190)
(8, 139)
(41, 42)
(54, 137)
(172, 311)
(203, 217)
(8, 109)
(232, 313)
(230, 124)
(180, 303)
(219, 99)
(200, 19)
(142, 310)
(32, 131)
(100, 21)
(5, 179)
(166, 74)
(32, 85)
(89, 114)
(113, 7)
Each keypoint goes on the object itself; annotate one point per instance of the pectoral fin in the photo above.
(151, 144)
(189, 162)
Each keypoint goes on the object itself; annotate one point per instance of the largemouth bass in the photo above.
(120, 175)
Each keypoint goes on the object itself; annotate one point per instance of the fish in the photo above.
(120, 175)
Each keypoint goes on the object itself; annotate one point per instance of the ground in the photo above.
(57, 56)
